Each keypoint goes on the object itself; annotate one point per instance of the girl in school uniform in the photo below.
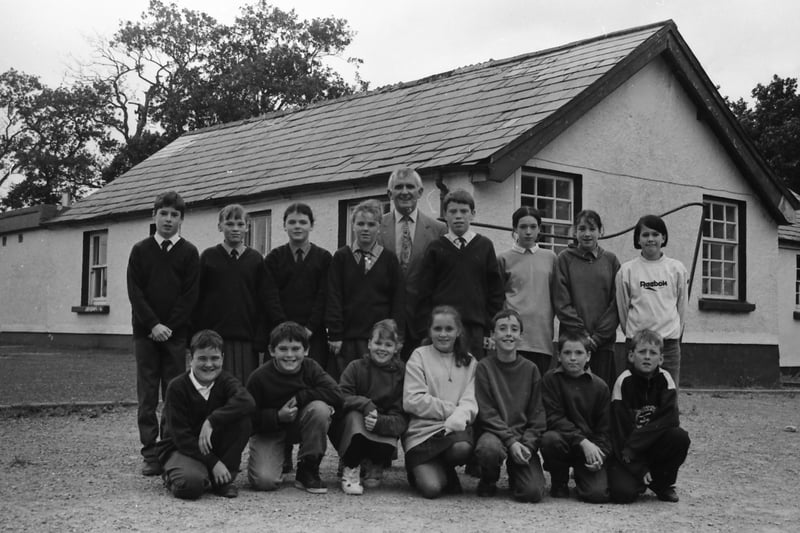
(439, 397)
(528, 273)
(652, 291)
(584, 294)
(372, 420)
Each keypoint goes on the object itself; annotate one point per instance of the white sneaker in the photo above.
(351, 481)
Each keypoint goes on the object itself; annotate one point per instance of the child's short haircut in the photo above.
(573, 336)
(170, 199)
(647, 336)
(386, 330)
(301, 209)
(206, 338)
(652, 222)
(589, 216)
(525, 211)
(372, 207)
(458, 196)
(288, 331)
(506, 313)
(232, 212)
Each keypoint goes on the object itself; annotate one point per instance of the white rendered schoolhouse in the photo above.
(626, 124)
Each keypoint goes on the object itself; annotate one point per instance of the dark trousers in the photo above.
(603, 365)
(352, 349)
(240, 359)
(559, 456)
(663, 460)
(473, 335)
(318, 349)
(362, 448)
(187, 478)
(157, 363)
(525, 480)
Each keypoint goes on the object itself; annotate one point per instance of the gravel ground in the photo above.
(77, 469)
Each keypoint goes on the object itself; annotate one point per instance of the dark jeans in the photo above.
(663, 459)
(157, 363)
(603, 365)
(559, 456)
(526, 480)
(187, 478)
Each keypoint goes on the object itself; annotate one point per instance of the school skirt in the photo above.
(435, 446)
(343, 430)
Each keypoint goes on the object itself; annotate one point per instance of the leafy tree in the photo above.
(56, 139)
(773, 124)
(175, 70)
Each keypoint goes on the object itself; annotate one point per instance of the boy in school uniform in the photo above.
(208, 421)
(511, 417)
(460, 269)
(236, 292)
(295, 400)
(162, 282)
(576, 403)
(649, 444)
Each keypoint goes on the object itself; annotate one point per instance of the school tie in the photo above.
(405, 242)
(462, 242)
(362, 264)
(234, 254)
(165, 244)
(299, 255)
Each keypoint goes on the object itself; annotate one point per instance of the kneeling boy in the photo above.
(576, 403)
(295, 399)
(649, 444)
(208, 421)
(510, 416)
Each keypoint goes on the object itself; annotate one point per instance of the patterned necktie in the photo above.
(462, 242)
(299, 255)
(405, 242)
(234, 254)
(165, 244)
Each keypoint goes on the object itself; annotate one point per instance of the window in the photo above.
(94, 285)
(797, 282)
(555, 195)
(98, 282)
(4, 240)
(723, 256)
(346, 208)
(259, 232)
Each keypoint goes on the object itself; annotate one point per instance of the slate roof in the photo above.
(492, 116)
(791, 232)
(26, 218)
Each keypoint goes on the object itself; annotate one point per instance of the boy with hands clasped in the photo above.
(511, 418)
(576, 402)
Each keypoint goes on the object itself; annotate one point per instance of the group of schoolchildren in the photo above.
(415, 332)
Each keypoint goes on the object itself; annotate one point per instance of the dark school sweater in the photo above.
(510, 401)
(367, 387)
(271, 389)
(185, 411)
(302, 287)
(235, 294)
(467, 279)
(162, 287)
(356, 300)
(577, 408)
(642, 409)
(584, 294)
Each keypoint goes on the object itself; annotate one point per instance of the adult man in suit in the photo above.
(406, 231)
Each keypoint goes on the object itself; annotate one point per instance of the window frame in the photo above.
(252, 217)
(93, 241)
(346, 207)
(736, 303)
(550, 241)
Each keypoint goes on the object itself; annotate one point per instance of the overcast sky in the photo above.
(738, 42)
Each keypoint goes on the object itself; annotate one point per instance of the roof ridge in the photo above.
(433, 77)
